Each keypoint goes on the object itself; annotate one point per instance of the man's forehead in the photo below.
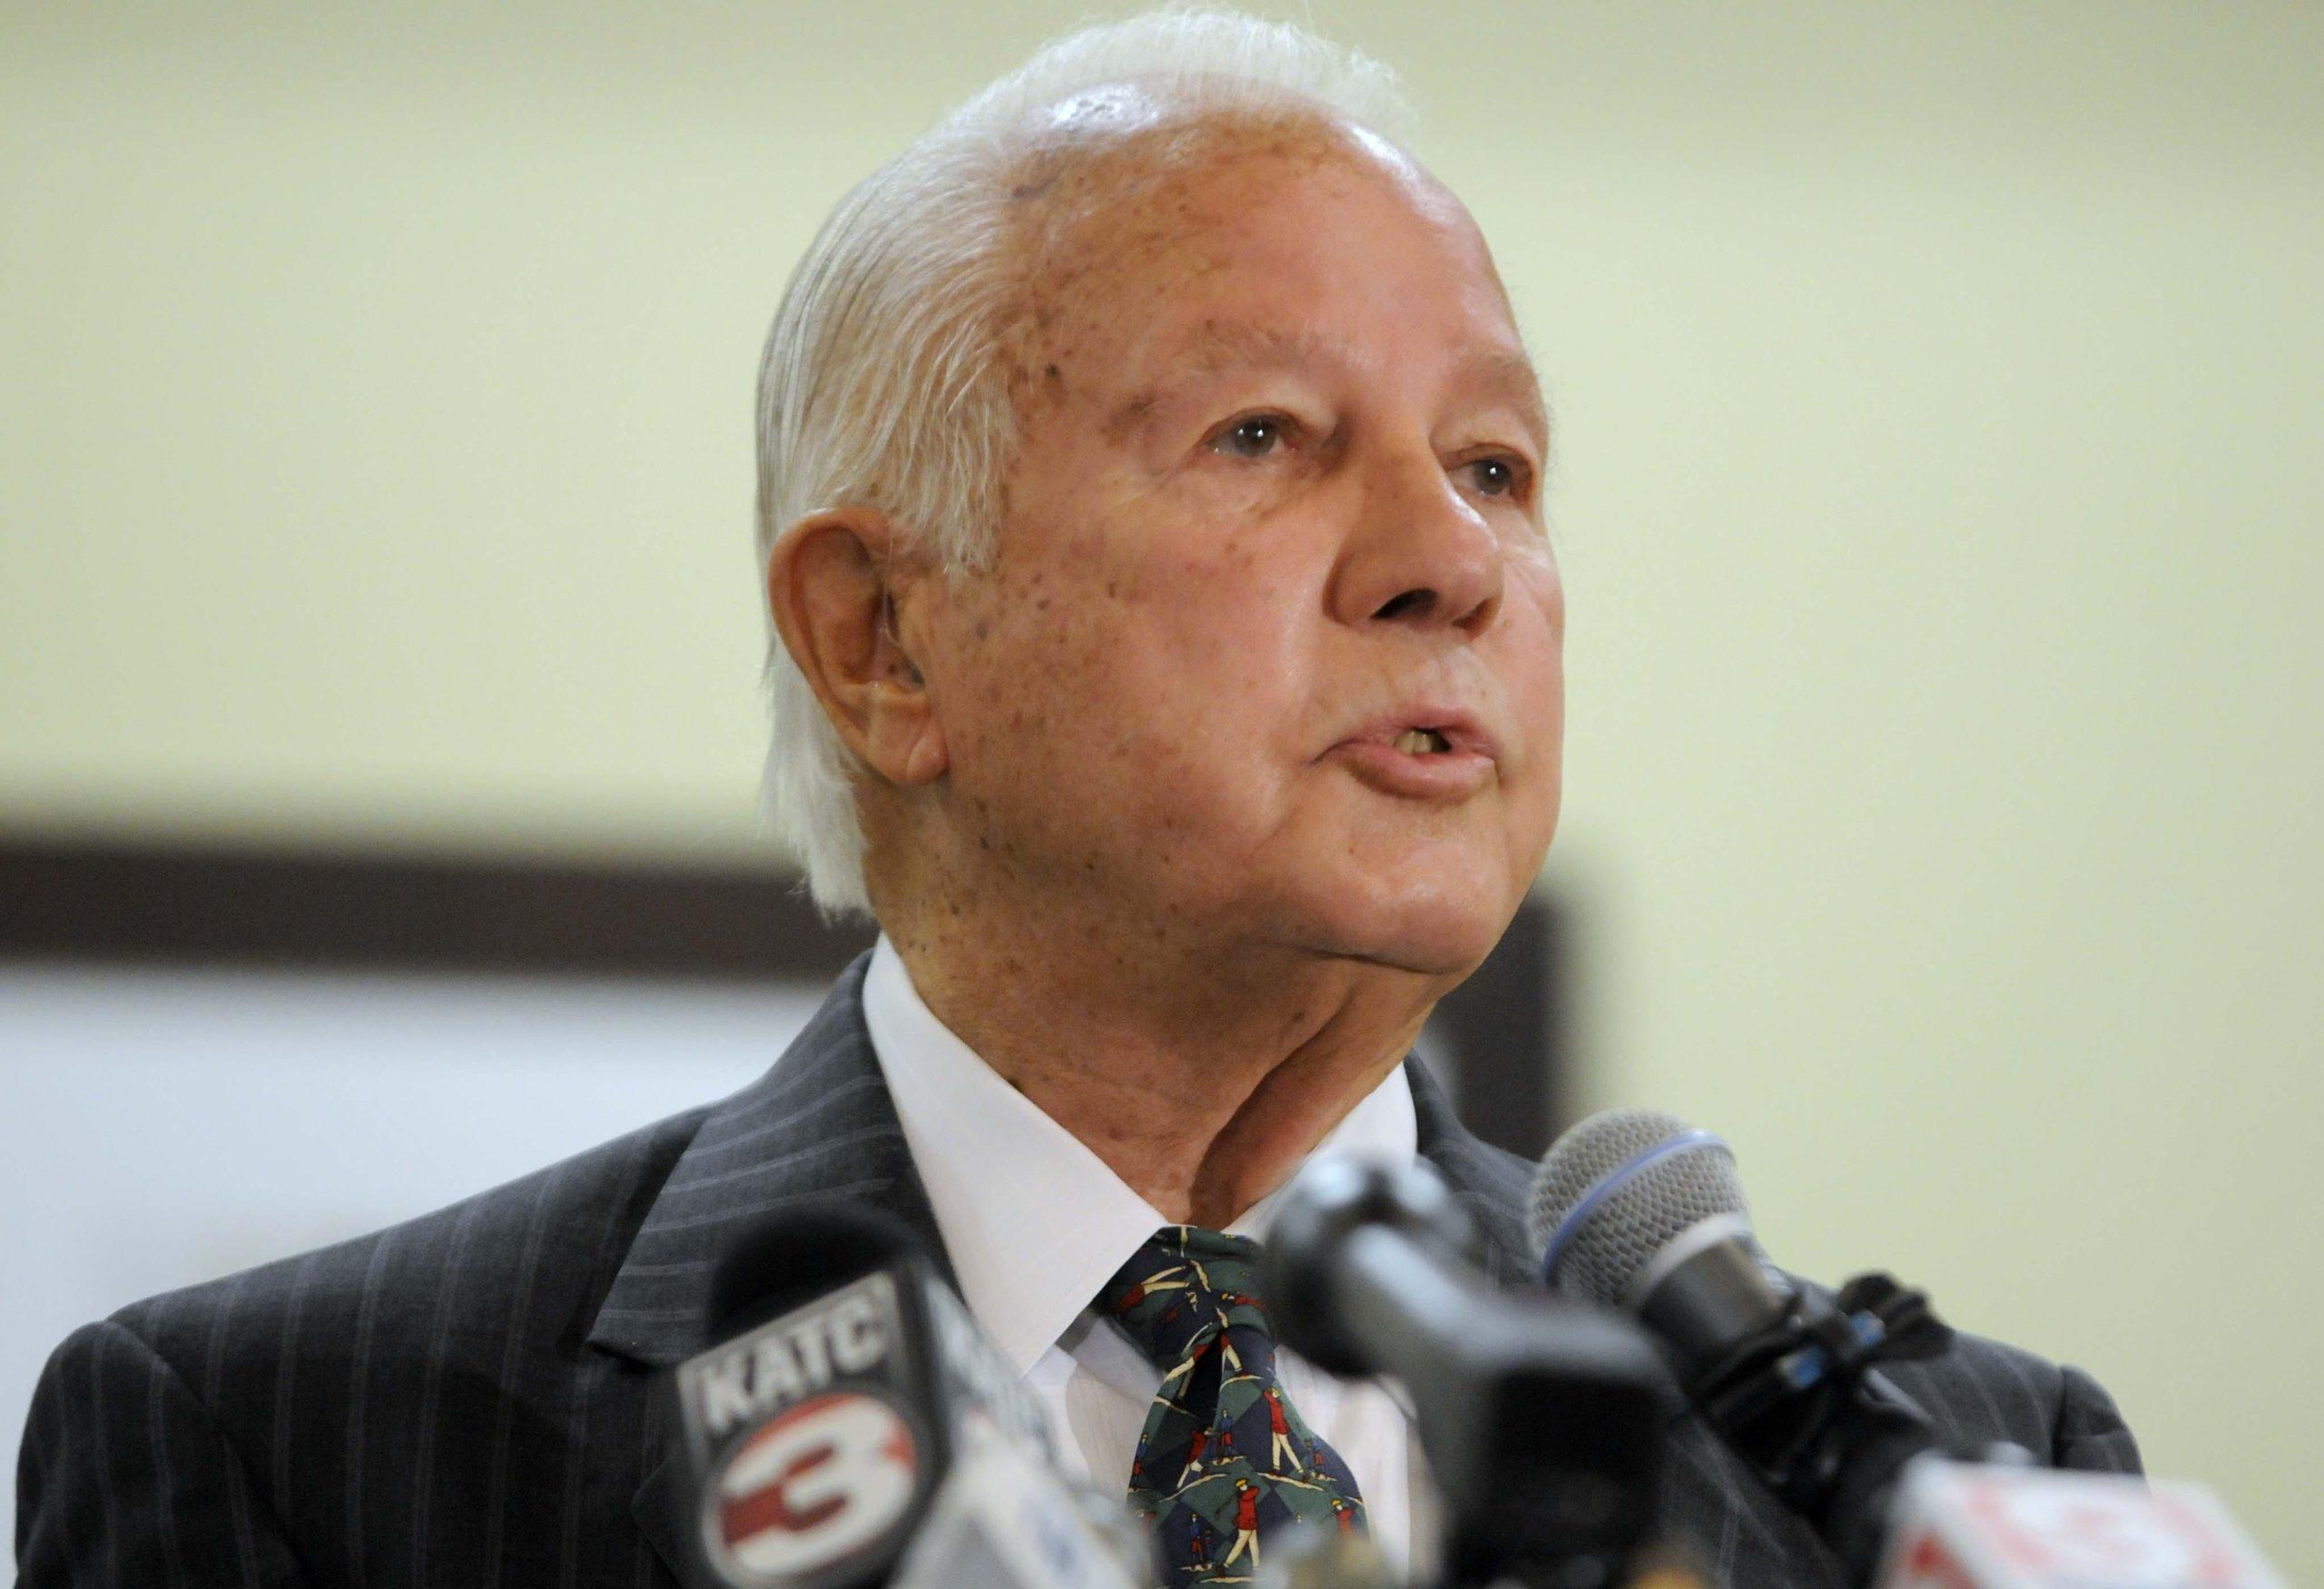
(1489, 370)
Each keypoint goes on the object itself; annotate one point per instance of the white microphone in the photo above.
(852, 1427)
(1002, 1521)
(1962, 1526)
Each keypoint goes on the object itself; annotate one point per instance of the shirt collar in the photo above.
(1034, 1222)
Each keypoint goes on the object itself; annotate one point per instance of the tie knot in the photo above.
(1183, 1285)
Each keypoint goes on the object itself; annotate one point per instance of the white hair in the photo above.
(884, 382)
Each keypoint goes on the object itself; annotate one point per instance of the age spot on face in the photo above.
(1157, 736)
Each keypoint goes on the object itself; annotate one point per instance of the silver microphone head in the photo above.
(1615, 1194)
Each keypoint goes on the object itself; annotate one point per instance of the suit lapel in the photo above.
(818, 1126)
(1490, 1184)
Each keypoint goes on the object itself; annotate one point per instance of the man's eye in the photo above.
(1253, 437)
(1496, 477)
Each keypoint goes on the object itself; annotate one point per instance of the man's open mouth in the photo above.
(1422, 742)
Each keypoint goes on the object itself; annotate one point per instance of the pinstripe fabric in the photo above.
(471, 1399)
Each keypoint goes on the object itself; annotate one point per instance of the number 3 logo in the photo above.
(824, 1480)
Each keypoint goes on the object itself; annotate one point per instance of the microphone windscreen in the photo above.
(1616, 1190)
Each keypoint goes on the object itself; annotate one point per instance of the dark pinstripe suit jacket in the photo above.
(468, 1399)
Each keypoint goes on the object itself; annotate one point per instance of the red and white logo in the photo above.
(2029, 1528)
(819, 1483)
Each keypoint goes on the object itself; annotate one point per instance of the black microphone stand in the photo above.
(1541, 1419)
(1801, 1400)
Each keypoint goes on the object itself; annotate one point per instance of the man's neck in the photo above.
(1202, 1080)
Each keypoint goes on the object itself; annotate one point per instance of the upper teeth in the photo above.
(1421, 741)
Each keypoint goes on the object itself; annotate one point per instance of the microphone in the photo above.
(852, 1412)
(1636, 1210)
(1319, 1558)
(1542, 1421)
(1959, 1526)
(1004, 1521)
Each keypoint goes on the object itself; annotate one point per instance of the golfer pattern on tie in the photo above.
(1224, 1458)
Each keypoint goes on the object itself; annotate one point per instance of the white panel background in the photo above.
(159, 1128)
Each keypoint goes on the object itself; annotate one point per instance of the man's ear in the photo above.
(839, 584)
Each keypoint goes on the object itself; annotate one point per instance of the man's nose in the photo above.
(1420, 554)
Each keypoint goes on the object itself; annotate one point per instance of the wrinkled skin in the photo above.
(1278, 490)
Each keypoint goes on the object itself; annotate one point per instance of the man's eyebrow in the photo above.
(1236, 344)
(1509, 376)
(1500, 373)
(1220, 347)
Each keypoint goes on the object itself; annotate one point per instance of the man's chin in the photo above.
(1430, 892)
(1428, 932)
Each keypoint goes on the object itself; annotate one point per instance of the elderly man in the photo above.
(1169, 659)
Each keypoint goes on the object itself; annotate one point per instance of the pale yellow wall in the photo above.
(1939, 389)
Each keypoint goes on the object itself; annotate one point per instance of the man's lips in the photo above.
(1384, 754)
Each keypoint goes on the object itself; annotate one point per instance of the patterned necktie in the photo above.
(1224, 1458)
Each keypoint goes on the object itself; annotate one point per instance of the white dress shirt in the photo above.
(1035, 1224)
